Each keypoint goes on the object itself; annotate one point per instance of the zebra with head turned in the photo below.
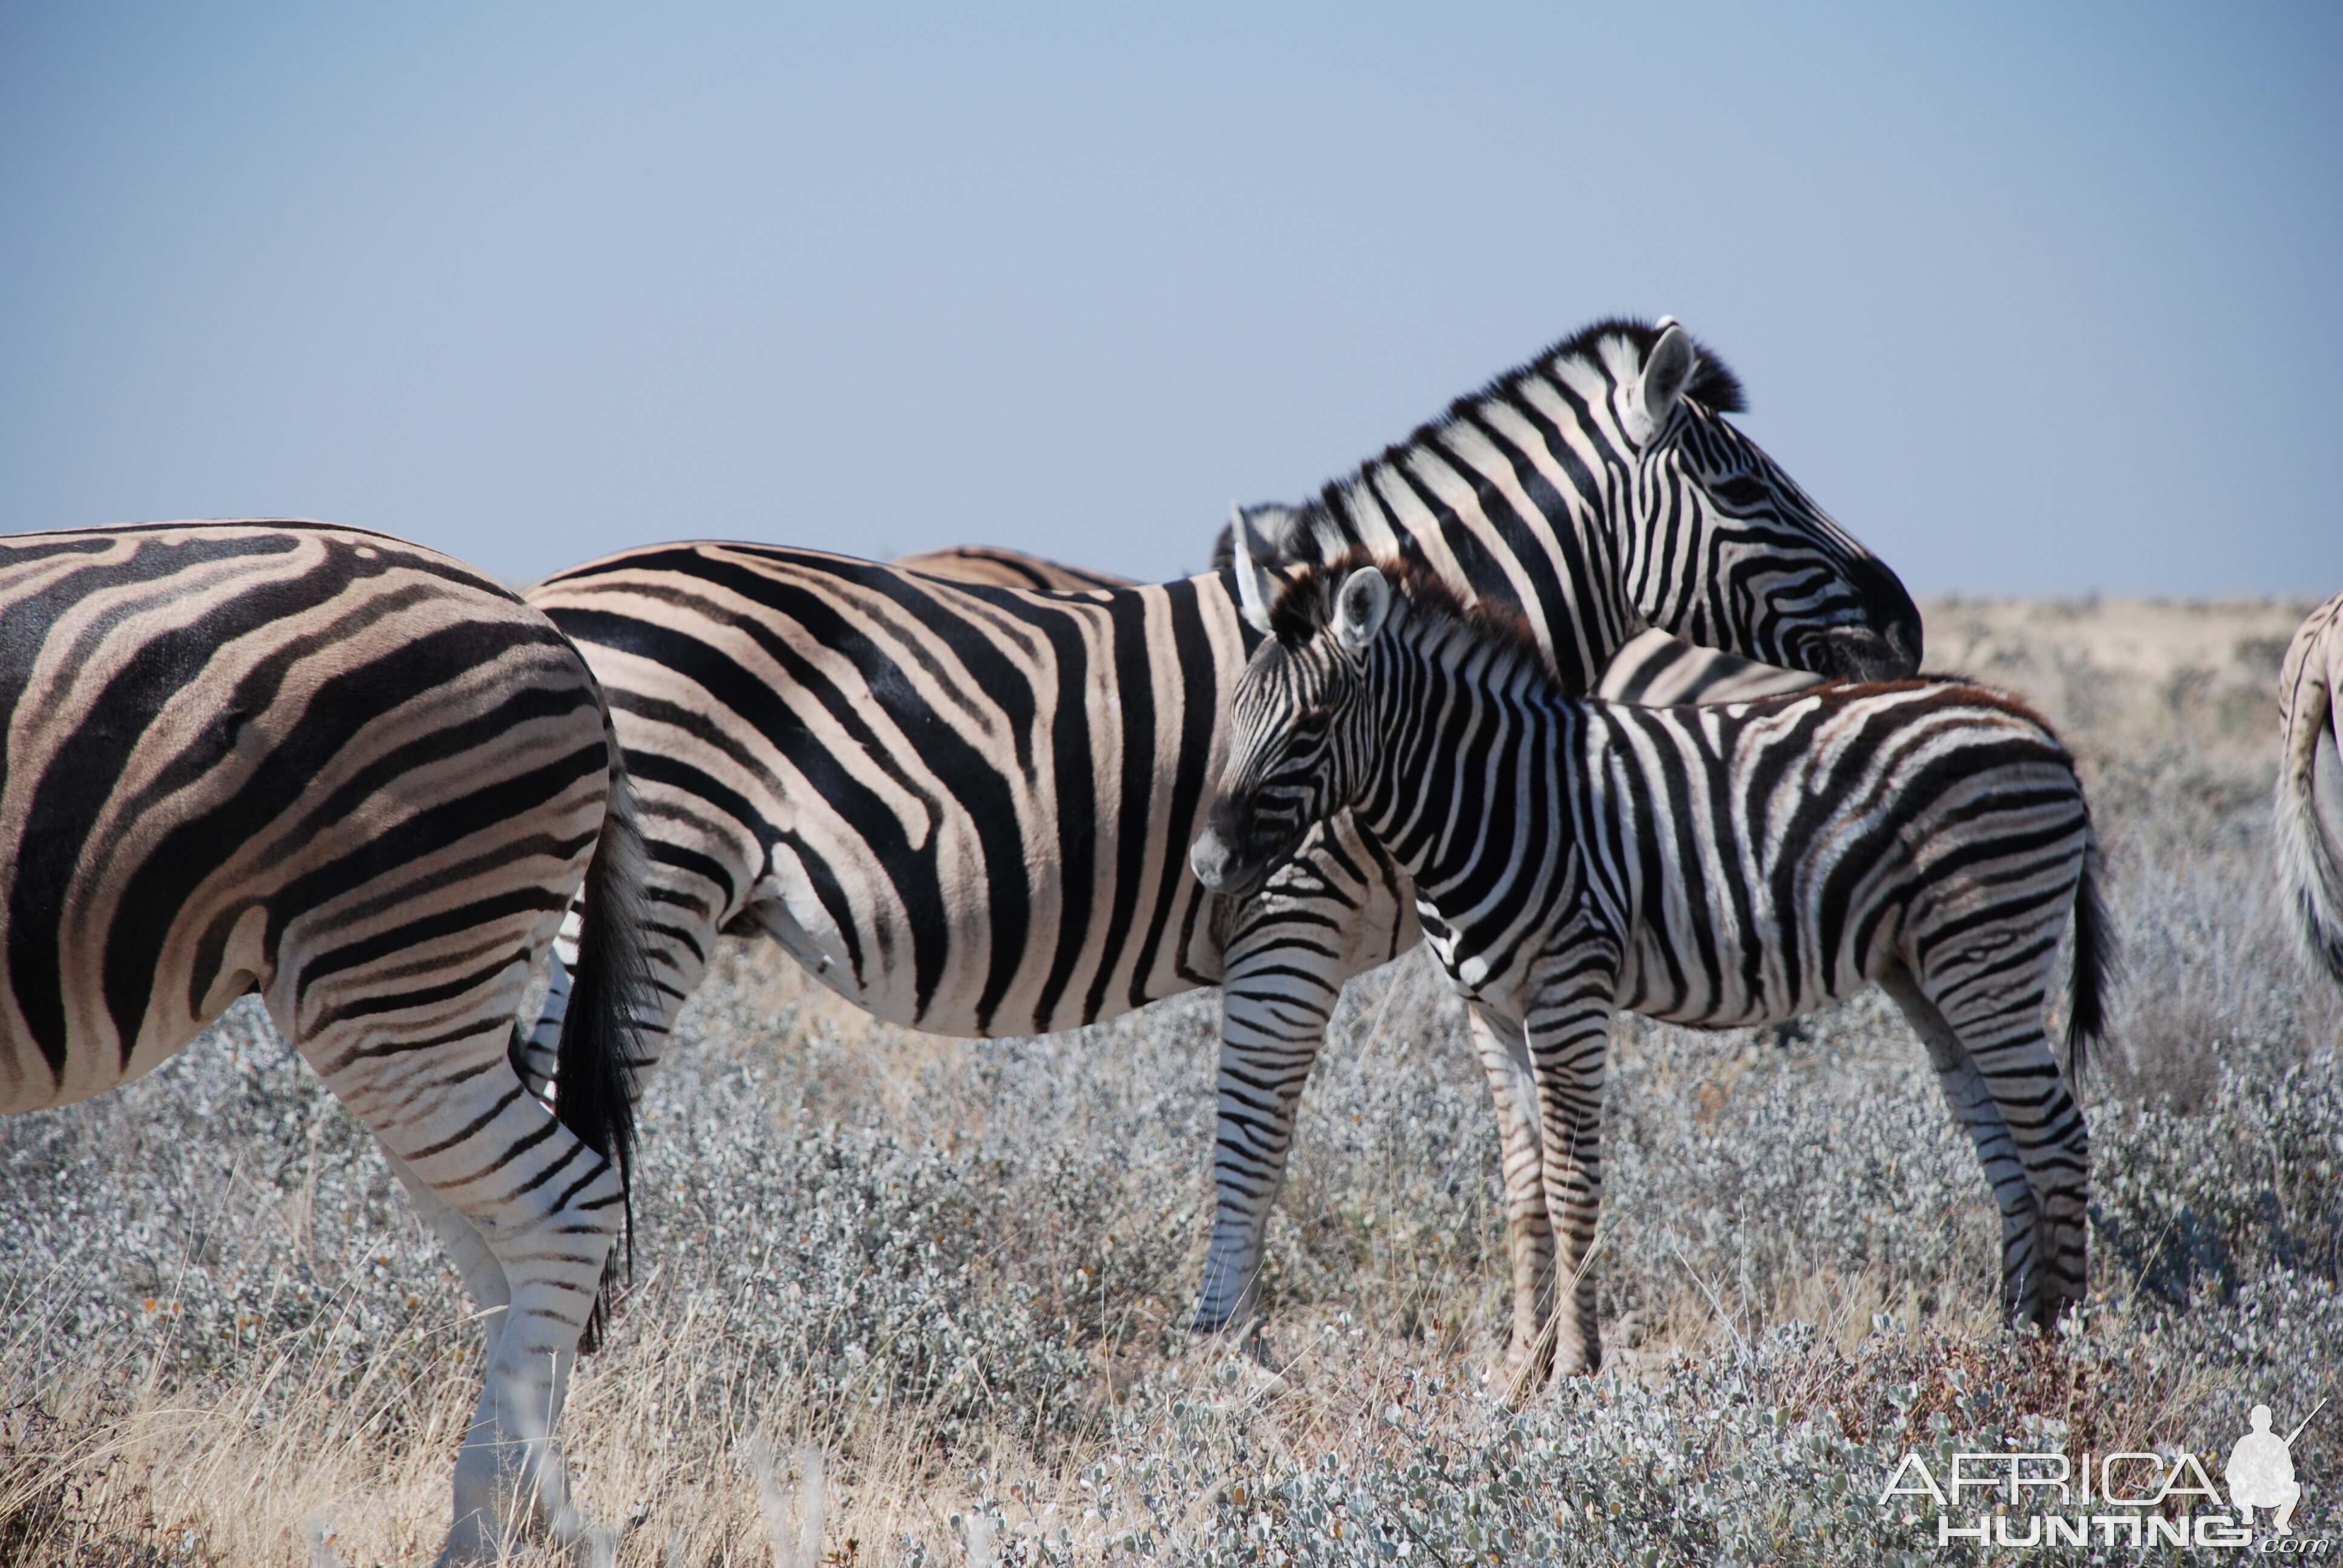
(966, 809)
(2310, 783)
(364, 781)
(1715, 866)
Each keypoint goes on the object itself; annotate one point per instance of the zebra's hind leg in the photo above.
(545, 1210)
(1505, 1054)
(2028, 1132)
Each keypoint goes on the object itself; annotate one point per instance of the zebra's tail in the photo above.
(2095, 964)
(2309, 839)
(611, 990)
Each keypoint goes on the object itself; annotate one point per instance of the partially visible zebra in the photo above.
(968, 808)
(2310, 783)
(1714, 866)
(364, 781)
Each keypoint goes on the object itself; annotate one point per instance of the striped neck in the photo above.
(1435, 693)
(1454, 500)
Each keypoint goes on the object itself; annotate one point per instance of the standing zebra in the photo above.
(363, 780)
(966, 809)
(2310, 782)
(1714, 866)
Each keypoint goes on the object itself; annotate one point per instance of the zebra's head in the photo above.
(1724, 548)
(1600, 486)
(1298, 742)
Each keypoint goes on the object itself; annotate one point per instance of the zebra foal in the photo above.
(1713, 866)
(363, 780)
(2310, 783)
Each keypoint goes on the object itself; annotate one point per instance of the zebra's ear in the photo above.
(1667, 371)
(1255, 586)
(1360, 608)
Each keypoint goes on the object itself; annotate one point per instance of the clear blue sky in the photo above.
(2035, 298)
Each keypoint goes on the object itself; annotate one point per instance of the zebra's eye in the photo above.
(1740, 491)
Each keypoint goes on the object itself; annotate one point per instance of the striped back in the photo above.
(995, 568)
(965, 807)
(1598, 491)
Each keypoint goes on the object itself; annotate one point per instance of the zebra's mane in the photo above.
(1713, 386)
(1306, 606)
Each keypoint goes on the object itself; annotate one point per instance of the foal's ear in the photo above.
(1360, 608)
(1255, 588)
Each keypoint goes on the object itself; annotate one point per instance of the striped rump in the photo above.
(363, 780)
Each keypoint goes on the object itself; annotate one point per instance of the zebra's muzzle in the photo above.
(1859, 653)
(1222, 868)
(1235, 853)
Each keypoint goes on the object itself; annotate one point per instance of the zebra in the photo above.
(967, 808)
(1716, 866)
(364, 781)
(2309, 807)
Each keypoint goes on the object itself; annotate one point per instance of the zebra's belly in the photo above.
(954, 952)
(1733, 990)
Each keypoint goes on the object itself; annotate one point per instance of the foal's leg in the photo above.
(1505, 1054)
(1570, 1040)
(1336, 909)
(1984, 1037)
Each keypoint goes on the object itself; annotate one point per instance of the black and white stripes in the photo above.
(364, 781)
(968, 807)
(1715, 866)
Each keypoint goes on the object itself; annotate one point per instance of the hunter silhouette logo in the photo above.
(2261, 1471)
(2138, 1498)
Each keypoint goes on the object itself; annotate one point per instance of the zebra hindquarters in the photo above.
(1338, 908)
(411, 926)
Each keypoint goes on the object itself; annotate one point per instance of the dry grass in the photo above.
(950, 1274)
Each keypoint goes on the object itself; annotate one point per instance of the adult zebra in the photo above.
(364, 781)
(968, 808)
(1714, 865)
(2310, 783)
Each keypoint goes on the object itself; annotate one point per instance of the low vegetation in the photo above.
(905, 1300)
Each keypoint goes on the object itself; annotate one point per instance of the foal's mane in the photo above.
(1306, 606)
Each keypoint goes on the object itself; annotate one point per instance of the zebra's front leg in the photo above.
(1273, 1016)
(1569, 1044)
(1338, 909)
(1505, 1054)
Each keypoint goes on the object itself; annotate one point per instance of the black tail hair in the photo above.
(602, 1034)
(2094, 966)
